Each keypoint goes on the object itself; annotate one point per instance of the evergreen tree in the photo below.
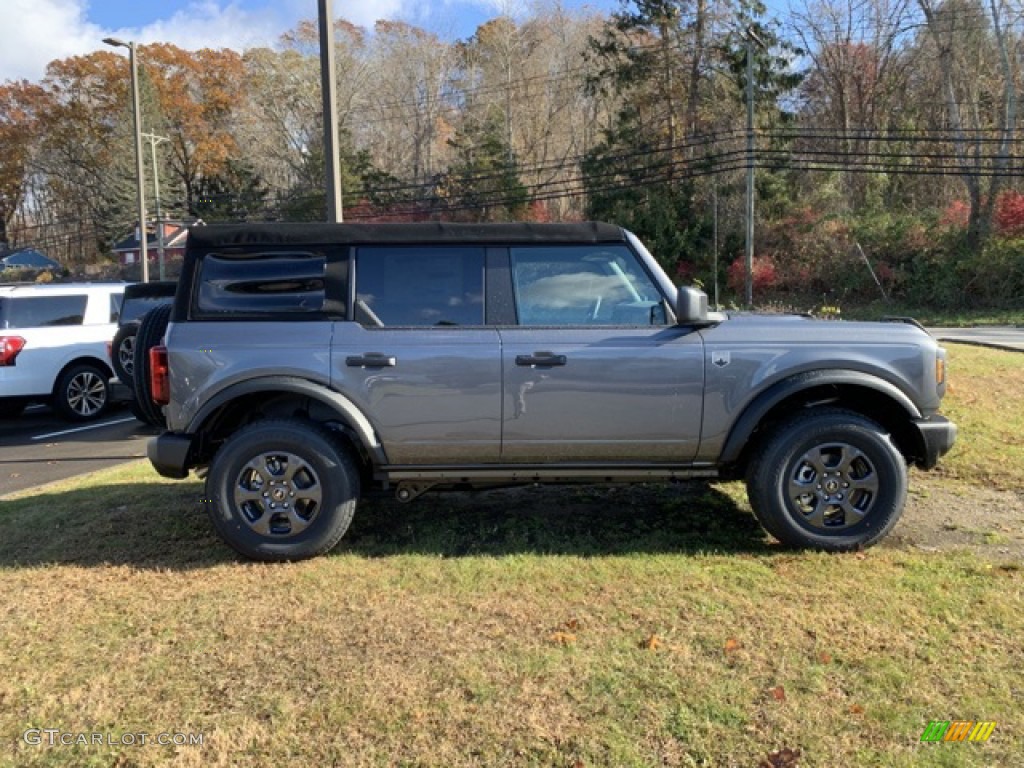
(236, 194)
(483, 183)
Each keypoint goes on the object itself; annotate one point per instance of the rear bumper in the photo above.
(169, 454)
(937, 435)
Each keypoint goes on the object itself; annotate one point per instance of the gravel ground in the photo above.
(943, 515)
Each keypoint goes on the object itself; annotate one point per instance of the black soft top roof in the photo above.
(214, 236)
(155, 289)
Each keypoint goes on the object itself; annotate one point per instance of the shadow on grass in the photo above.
(163, 525)
(558, 520)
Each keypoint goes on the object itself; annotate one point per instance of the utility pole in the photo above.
(751, 38)
(714, 232)
(332, 164)
(140, 175)
(153, 140)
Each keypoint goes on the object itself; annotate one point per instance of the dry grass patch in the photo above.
(986, 400)
(621, 629)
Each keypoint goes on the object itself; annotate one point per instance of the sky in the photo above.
(35, 32)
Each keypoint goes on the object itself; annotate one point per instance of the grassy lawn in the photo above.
(938, 318)
(579, 627)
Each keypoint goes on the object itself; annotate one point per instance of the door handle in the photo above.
(541, 359)
(371, 360)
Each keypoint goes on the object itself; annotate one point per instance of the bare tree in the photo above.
(979, 79)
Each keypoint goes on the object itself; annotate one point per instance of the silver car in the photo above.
(306, 362)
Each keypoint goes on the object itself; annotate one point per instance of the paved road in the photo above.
(38, 448)
(1003, 337)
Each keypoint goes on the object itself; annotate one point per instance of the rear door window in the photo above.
(419, 286)
(42, 311)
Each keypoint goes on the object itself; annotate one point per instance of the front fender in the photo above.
(761, 405)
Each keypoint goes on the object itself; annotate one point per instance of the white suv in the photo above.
(53, 346)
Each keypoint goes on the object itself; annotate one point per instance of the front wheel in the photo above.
(829, 479)
(282, 489)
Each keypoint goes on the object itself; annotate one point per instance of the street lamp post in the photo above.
(139, 172)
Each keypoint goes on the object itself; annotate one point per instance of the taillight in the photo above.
(110, 351)
(159, 376)
(10, 346)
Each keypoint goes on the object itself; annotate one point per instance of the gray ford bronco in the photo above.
(305, 364)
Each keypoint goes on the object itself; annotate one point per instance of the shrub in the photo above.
(764, 275)
(1009, 214)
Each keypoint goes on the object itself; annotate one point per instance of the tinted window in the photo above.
(583, 285)
(135, 308)
(115, 306)
(274, 283)
(420, 286)
(42, 311)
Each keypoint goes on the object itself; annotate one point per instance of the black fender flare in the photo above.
(346, 409)
(762, 404)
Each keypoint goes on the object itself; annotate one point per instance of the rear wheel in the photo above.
(82, 392)
(829, 479)
(282, 489)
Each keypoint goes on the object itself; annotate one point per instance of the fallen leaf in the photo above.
(861, 556)
(784, 758)
(732, 645)
(825, 658)
(856, 709)
(563, 638)
(778, 693)
(572, 624)
(652, 643)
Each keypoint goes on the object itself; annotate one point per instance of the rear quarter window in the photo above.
(42, 311)
(282, 284)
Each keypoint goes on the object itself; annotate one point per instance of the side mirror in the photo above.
(691, 307)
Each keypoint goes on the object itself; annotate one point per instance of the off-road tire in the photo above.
(151, 331)
(281, 490)
(828, 479)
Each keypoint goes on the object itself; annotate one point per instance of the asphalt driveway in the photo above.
(38, 448)
(1001, 336)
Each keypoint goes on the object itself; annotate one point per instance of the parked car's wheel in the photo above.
(151, 331)
(82, 392)
(122, 353)
(829, 479)
(282, 489)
